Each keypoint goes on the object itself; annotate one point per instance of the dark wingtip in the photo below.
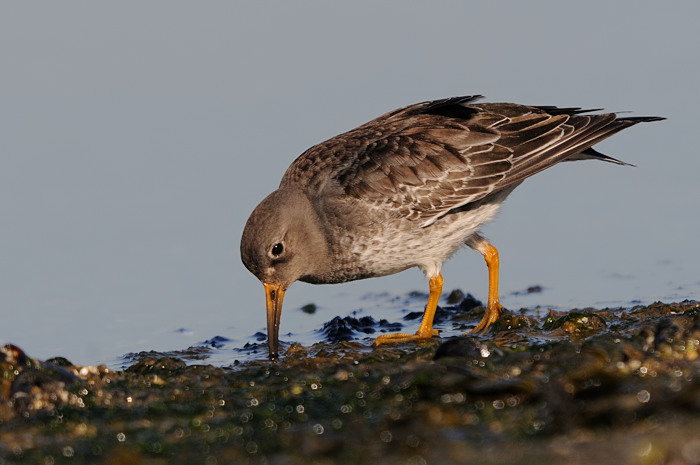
(452, 107)
(593, 154)
(446, 102)
(553, 110)
(641, 119)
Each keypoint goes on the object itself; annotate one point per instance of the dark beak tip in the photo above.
(273, 349)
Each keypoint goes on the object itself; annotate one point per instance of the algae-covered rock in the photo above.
(607, 386)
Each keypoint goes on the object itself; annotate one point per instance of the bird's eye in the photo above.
(277, 249)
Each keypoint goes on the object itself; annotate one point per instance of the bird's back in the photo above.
(430, 158)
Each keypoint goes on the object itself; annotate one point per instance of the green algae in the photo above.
(612, 385)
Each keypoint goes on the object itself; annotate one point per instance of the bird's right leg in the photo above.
(494, 308)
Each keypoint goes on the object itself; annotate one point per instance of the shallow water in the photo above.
(380, 312)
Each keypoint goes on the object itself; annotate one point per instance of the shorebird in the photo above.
(408, 189)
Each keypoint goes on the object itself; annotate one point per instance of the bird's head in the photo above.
(282, 242)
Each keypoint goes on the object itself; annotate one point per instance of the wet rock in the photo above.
(163, 366)
(536, 289)
(346, 329)
(575, 322)
(467, 347)
(33, 387)
(511, 322)
(216, 342)
(459, 301)
(60, 361)
(309, 308)
(469, 303)
(455, 297)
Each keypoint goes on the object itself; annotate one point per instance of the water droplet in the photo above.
(385, 436)
(251, 447)
(643, 396)
(416, 460)
(484, 350)
(412, 441)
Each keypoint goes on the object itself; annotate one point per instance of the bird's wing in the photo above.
(426, 159)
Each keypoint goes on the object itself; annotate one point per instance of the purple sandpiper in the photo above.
(408, 189)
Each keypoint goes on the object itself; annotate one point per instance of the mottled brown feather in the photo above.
(427, 159)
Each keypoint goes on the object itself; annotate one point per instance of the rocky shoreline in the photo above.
(608, 386)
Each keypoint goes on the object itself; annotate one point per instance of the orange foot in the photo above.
(403, 337)
(493, 312)
(426, 330)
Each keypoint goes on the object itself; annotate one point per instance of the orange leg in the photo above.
(425, 331)
(494, 308)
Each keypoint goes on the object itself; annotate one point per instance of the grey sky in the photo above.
(136, 137)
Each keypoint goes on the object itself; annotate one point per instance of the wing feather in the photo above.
(424, 160)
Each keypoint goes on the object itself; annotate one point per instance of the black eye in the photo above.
(277, 249)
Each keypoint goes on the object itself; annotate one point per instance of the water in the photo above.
(130, 161)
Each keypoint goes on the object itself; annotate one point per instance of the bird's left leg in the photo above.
(494, 308)
(425, 331)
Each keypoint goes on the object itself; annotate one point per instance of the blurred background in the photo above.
(137, 137)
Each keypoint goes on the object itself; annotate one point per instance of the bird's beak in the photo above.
(274, 294)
